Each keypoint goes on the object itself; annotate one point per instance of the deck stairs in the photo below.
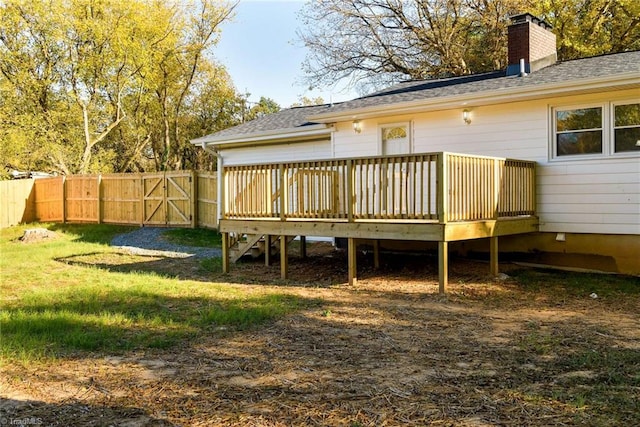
(254, 245)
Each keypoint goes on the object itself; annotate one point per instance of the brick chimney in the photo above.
(530, 39)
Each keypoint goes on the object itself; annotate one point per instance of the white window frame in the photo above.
(554, 132)
(613, 128)
(383, 126)
(608, 130)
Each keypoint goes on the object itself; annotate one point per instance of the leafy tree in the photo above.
(263, 107)
(80, 61)
(213, 105)
(304, 101)
(98, 86)
(373, 43)
(592, 27)
(177, 62)
(377, 42)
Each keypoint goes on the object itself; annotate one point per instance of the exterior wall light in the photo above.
(357, 128)
(466, 116)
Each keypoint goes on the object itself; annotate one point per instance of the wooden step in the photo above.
(243, 246)
(254, 245)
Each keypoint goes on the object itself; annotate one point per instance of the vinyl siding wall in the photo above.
(277, 153)
(596, 195)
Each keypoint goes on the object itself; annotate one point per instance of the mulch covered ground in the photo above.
(389, 351)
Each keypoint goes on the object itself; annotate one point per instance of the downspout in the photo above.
(218, 156)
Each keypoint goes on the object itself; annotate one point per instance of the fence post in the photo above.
(64, 199)
(99, 210)
(165, 196)
(194, 199)
(142, 204)
(221, 192)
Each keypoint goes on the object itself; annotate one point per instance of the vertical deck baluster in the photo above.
(367, 187)
(471, 169)
(393, 187)
(360, 196)
(401, 187)
(308, 192)
(414, 190)
(321, 184)
(384, 188)
(429, 184)
(378, 190)
(241, 185)
(404, 181)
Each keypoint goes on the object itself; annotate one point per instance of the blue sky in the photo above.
(260, 49)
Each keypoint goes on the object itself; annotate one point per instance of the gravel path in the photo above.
(149, 241)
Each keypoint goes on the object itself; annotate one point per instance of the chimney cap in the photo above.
(527, 17)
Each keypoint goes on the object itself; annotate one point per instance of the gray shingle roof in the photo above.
(423, 90)
(599, 66)
(289, 118)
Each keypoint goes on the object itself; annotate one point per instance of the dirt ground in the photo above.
(389, 351)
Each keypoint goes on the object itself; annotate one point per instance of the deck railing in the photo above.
(438, 187)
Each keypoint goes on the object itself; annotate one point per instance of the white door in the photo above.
(396, 192)
(395, 139)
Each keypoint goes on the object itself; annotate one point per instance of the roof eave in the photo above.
(588, 85)
(297, 133)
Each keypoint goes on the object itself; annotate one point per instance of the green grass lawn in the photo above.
(197, 237)
(536, 349)
(51, 308)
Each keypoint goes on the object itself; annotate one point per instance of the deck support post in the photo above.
(284, 257)
(493, 255)
(225, 252)
(303, 247)
(351, 260)
(267, 250)
(443, 266)
(376, 254)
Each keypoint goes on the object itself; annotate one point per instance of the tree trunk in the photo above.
(88, 145)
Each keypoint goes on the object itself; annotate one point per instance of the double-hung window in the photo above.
(579, 131)
(596, 130)
(626, 127)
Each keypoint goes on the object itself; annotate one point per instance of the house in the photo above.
(551, 164)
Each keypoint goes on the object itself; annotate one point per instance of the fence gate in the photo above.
(180, 198)
(154, 212)
(168, 198)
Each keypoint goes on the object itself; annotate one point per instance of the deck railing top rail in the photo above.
(438, 187)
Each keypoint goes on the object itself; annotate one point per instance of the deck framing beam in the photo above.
(357, 230)
(417, 231)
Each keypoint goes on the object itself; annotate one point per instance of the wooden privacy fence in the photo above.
(438, 187)
(16, 202)
(178, 199)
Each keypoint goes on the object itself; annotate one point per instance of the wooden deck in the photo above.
(439, 197)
